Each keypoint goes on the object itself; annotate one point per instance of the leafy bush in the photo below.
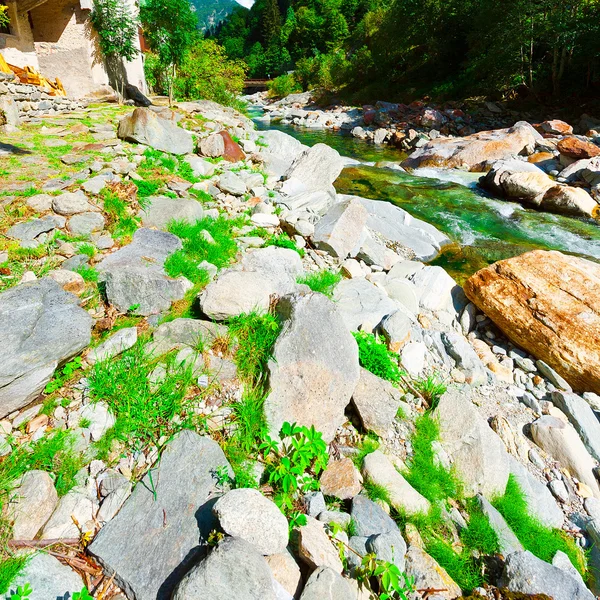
(283, 86)
(207, 73)
(376, 358)
(323, 282)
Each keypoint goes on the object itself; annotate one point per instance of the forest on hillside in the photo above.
(402, 49)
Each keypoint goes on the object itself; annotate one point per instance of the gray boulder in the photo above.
(376, 401)
(180, 333)
(341, 230)
(42, 327)
(582, 417)
(84, 224)
(29, 230)
(370, 519)
(144, 126)
(245, 513)
(362, 304)
(134, 275)
(314, 369)
(161, 211)
(465, 357)
(315, 169)
(475, 449)
(525, 573)
(325, 584)
(428, 573)
(231, 183)
(48, 578)
(212, 146)
(389, 547)
(113, 346)
(162, 527)
(234, 569)
(71, 203)
(252, 283)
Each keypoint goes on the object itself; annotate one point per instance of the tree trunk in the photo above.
(172, 83)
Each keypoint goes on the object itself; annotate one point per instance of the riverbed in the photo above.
(483, 229)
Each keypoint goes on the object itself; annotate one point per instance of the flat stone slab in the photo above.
(163, 526)
(42, 326)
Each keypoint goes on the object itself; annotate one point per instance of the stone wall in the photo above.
(32, 101)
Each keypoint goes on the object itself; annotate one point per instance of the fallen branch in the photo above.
(42, 543)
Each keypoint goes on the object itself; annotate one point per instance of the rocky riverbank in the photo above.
(220, 378)
(543, 165)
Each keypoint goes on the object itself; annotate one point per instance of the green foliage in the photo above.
(122, 222)
(147, 188)
(294, 465)
(10, 566)
(377, 492)
(23, 592)
(145, 406)
(117, 29)
(198, 247)
(479, 535)
(87, 249)
(323, 282)
(432, 389)
(390, 582)
(283, 241)
(369, 444)
(89, 274)
(65, 375)
(255, 335)
(376, 358)
(535, 537)
(4, 16)
(207, 73)
(424, 473)
(283, 86)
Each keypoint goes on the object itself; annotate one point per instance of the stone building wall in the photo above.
(17, 47)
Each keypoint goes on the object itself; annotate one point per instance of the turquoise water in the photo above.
(484, 229)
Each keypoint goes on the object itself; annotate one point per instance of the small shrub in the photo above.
(323, 282)
(283, 86)
(376, 358)
(431, 388)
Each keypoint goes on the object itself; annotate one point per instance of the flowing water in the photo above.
(483, 229)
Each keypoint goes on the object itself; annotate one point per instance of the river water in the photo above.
(483, 229)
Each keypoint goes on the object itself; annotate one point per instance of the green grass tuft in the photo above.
(369, 444)
(432, 389)
(255, 335)
(10, 568)
(147, 188)
(284, 241)
(122, 223)
(323, 282)
(428, 478)
(376, 358)
(197, 248)
(377, 492)
(535, 537)
(89, 274)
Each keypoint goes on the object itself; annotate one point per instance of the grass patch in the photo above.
(535, 537)
(122, 223)
(424, 474)
(431, 388)
(369, 444)
(197, 246)
(322, 282)
(377, 492)
(284, 241)
(89, 274)
(10, 568)
(147, 188)
(255, 335)
(376, 358)
(144, 411)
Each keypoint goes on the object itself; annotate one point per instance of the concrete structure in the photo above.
(56, 38)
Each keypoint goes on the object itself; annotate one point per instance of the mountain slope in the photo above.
(212, 12)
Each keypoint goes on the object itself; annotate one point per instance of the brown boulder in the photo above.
(233, 153)
(555, 127)
(475, 152)
(548, 304)
(575, 148)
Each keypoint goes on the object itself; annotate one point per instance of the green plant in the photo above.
(147, 188)
(323, 282)
(369, 444)
(117, 29)
(535, 537)
(10, 566)
(122, 223)
(255, 335)
(144, 401)
(87, 249)
(391, 583)
(295, 463)
(66, 373)
(23, 592)
(297, 519)
(218, 248)
(283, 86)
(4, 16)
(377, 492)
(284, 241)
(89, 274)
(82, 595)
(376, 358)
(432, 389)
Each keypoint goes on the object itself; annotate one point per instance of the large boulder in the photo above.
(144, 126)
(326, 584)
(42, 327)
(576, 148)
(315, 169)
(428, 574)
(527, 574)
(134, 275)
(279, 150)
(559, 439)
(546, 303)
(341, 230)
(163, 526)
(48, 578)
(160, 211)
(251, 285)
(234, 569)
(476, 451)
(475, 152)
(245, 513)
(314, 369)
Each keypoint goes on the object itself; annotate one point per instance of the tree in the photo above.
(170, 27)
(117, 29)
